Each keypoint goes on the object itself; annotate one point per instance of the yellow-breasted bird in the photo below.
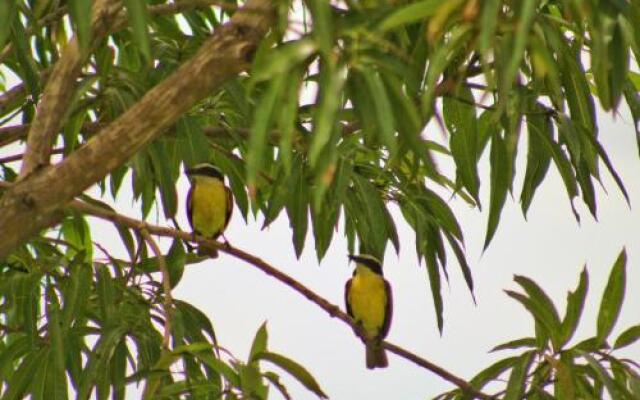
(209, 202)
(370, 304)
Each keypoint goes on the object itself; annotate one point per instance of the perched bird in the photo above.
(209, 203)
(370, 304)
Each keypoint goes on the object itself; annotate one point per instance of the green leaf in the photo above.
(633, 101)
(517, 379)
(323, 30)
(80, 12)
(499, 185)
(138, 19)
(492, 372)
(436, 294)
(106, 292)
(329, 100)
(616, 391)
(382, 109)
(98, 359)
(175, 260)
(165, 177)
(538, 158)
(462, 261)
(274, 379)
(561, 162)
(526, 16)
(516, 344)
(409, 14)
(23, 377)
(55, 373)
(298, 208)
(296, 370)
(544, 306)
(628, 337)
(575, 305)
(7, 14)
(259, 344)
(262, 121)
(279, 61)
(461, 121)
(612, 298)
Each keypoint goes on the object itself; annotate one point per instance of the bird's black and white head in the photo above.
(367, 261)
(204, 170)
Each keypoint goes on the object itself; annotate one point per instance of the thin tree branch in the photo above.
(17, 157)
(331, 309)
(166, 288)
(34, 203)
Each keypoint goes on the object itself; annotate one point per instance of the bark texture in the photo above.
(34, 203)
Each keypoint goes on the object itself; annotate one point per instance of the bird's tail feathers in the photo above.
(376, 355)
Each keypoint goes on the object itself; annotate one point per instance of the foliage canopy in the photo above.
(327, 112)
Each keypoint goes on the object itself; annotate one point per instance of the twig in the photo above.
(17, 157)
(331, 309)
(166, 287)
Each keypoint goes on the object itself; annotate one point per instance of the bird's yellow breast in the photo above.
(209, 206)
(368, 300)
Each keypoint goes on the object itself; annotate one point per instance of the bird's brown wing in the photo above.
(190, 207)
(347, 287)
(388, 312)
(229, 207)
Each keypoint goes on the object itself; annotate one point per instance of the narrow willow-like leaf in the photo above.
(296, 370)
(383, 110)
(462, 261)
(538, 158)
(528, 342)
(575, 305)
(545, 324)
(23, 377)
(612, 298)
(165, 178)
(279, 61)
(262, 121)
(7, 14)
(298, 208)
(616, 391)
(561, 162)
(80, 12)
(499, 185)
(328, 102)
(98, 359)
(526, 16)
(138, 19)
(434, 281)
(628, 337)
(460, 118)
(410, 13)
(633, 101)
(492, 372)
(259, 344)
(517, 380)
(544, 307)
(175, 261)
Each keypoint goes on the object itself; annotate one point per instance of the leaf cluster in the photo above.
(549, 365)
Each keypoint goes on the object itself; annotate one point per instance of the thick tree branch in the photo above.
(331, 309)
(30, 205)
(59, 90)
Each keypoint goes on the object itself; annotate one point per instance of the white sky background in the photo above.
(550, 248)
